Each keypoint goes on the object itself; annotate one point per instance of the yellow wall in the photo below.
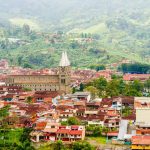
(140, 147)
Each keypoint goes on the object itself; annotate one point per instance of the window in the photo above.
(63, 81)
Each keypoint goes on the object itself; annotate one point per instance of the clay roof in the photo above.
(40, 125)
(97, 117)
(63, 131)
(106, 102)
(93, 104)
(113, 133)
(43, 94)
(81, 110)
(139, 104)
(127, 99)
(131, 117)
(63, 107)
(80, 103)
(131, 77)
(141, 140)
(75, 132)
(112, 113)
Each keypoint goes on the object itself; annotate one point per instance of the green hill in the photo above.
(120, 29)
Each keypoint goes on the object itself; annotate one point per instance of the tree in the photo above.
(74, 45)
(97, 67)
(121, 87)
(81, 146)
(26, 65)
(73, 90)
(46, 146)
(26, 29)
(58, 145)
(112, 88)
(97, 131)
(29, 99)
(64, 123)
(126, 111)
(25, 140)
(134, 68)
(137, 85)
(4, 111)
(33, 36)
(100, 84)
(27, 89)
(93, 90)
(81, 87)
(147, 85)
(73, 121)
(105, 130)
(25, 134)
(114, 76)
(20, 60)
(133, 92)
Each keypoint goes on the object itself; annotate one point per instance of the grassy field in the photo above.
(94, 29)
(20, 22)
(96, 140)
(98, 28)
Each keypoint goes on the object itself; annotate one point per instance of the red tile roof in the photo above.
(141, 140)
(113, 133)
(44, 94)
(131, 77)
(63, 131)
(40, 125)
(75, 132)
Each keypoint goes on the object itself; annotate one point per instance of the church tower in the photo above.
(64, 73)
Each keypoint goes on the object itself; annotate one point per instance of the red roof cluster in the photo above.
(131, 77)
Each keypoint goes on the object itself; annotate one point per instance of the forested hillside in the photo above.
(118, 29)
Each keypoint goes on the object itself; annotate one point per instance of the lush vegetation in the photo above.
(98, 67)
(10, 138)
(80, 145)
(29, 49)
(127, 111)
(13, 138)
(4, 112)
(99, 140)
(96, 131)
(117, 87)
(135, 68)
(118, 30)
(71, 121)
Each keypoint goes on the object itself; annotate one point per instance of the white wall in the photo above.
(143, 115)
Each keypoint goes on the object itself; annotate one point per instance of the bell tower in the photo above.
(64, 73)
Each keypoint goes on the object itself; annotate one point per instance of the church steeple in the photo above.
(64, 60)
(64, 73)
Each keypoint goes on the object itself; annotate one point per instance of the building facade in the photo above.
(58, 82)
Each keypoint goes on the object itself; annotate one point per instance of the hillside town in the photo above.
(43, 101)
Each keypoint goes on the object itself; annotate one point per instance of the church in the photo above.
(58, 82)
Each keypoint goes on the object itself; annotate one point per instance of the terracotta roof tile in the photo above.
(75, 132)
(40, 125)
(141, 140)
(63, 131)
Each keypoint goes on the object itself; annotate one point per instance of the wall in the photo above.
(143, 115)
